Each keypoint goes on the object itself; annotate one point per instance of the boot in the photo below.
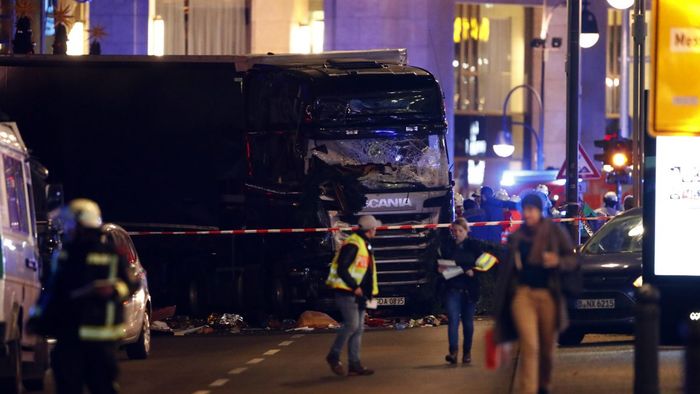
(336, 365)
(467, 358)
(359, 370)
(451, 358)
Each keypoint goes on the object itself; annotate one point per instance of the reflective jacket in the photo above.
(70, 309)
(364, 259)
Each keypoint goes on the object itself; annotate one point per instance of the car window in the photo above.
(621, 235)
(16, 196)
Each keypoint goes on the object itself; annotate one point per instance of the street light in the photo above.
(621, 4)
(505, 142)
(589, 28)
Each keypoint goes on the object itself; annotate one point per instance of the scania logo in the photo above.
(400, 202)
(695, 316)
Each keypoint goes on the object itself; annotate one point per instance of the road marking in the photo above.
(285, 343)
(297, 336)
(237, 371)
(202, 392)
(255, 361)
(271, 352)
(218, 383)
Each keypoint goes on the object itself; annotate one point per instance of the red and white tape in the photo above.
(336, 229)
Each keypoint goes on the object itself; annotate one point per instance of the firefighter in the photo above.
(353, 276)
(609, 208)
(82, 306)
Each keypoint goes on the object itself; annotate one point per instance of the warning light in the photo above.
(619, 159)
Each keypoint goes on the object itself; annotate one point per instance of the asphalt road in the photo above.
(409, 361)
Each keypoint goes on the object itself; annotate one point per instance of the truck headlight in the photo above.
(638, 282)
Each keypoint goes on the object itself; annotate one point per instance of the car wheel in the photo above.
(11, 382)
(141, 348)
(571, 338)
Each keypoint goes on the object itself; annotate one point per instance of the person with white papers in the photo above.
(459, 269)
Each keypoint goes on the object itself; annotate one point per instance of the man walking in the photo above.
(353, 276)
(83, 304)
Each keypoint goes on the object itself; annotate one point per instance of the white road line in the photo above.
(237, 371)
(255, 361)
(285, 343)
(202, 392)
(297, 336)
(271, 352)
(218, 383)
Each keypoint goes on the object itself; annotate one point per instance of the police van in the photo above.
(23, 357)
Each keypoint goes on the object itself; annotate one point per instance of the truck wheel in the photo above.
(11, 380)
(571, 337)
(141, 348)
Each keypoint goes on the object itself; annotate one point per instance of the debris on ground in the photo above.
(160, 326)
(225, 322)
(314, 319)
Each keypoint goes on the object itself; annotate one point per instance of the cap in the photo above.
(533, 200)
(368, 222)
(86, 212)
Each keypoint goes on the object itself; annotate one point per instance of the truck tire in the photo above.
(140, 349)
(11, 380)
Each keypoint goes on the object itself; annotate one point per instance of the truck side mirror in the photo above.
(54, 197)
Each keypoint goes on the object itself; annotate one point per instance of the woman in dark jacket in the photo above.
(462, 291)
(530, 304)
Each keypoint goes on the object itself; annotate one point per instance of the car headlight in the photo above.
(638, 282)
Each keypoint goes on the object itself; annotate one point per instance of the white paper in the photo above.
(447, 263)
(452, 272)
(372, 304)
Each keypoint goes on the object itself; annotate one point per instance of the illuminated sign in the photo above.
(677, 205)
(675, 93)
(471, 28)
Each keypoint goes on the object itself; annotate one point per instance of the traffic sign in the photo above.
(675, 57)
(586, 168)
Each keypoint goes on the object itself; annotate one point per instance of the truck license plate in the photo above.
(605, 303)
(391, 301)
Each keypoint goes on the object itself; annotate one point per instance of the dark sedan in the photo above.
(611, 264)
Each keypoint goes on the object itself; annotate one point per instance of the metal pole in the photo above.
(638, 105)
(646, 341)
(504, 120)
(624, 76)
(572, 112)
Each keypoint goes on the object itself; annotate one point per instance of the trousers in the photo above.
(79, 364)
(352, 329)
(535, 316)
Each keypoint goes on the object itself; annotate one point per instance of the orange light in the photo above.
(619, 160)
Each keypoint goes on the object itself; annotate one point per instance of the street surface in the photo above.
(408, 362)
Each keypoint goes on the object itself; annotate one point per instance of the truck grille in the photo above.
(404, 257)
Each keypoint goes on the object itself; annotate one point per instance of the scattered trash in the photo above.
(225, 322)
(161, 326)
(314, 319)
(377, 322)
(188, 331)
(401, 326)
(431, 321)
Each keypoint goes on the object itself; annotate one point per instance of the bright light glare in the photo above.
(608, 168)
(588, 40)
(507, 180)
(158, 44)
(300, 39)
(504, 150)
(317, 31)
(636, 231)
(621, 4)
(76, 39)
(619, 159)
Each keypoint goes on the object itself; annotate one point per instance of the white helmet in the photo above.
(610, 197)
(85, 213)
(502, 195)
(542, 188)
(459, 200)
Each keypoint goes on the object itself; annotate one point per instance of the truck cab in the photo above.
(21, 355)
(329, 140)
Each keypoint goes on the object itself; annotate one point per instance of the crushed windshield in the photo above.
(411, 161)
(622, 235)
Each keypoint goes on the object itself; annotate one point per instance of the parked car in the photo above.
(611, 264)
(137, 310)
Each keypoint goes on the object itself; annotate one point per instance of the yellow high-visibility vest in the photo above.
(357, 269)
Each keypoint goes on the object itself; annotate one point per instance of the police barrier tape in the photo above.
(336, 229)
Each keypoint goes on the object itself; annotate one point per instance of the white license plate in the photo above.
(391, 301)
(604, 303)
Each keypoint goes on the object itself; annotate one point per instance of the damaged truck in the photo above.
(268, 141)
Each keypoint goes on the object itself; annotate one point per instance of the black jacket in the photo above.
(346, 257)
(69, 303)
(465, 255)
